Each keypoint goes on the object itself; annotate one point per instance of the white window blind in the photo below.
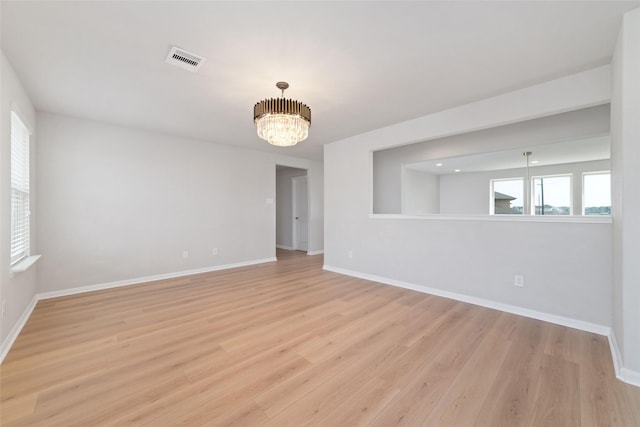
(19, 189)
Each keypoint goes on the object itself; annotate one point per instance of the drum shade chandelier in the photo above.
(282, 122)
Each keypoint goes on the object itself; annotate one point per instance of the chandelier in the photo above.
(282, 122)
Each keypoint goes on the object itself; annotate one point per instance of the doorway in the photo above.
(292, 225)
(300, 228)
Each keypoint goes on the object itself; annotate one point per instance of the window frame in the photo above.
(492, 205)
(585, 174)
(532, 193)
(20, 185)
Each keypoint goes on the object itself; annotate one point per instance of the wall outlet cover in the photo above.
(518, 280)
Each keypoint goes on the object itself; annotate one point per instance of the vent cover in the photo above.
(183, 59)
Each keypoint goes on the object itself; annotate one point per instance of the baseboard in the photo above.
(615, 354)
(289, 248)
(15, 331)
(534, 314)
(622, 373)
(630, 377)
(146, 279)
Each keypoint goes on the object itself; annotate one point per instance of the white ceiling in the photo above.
(573, 151)
(358, 65)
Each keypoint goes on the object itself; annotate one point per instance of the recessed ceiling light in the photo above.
(533, 162)
(438, 164)
(457, 170)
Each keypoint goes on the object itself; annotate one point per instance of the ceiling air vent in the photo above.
(183, 59)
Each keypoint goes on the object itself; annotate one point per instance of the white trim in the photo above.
(146, 279)
(557, 175)
(630, 377)
(295, 182)
(534, 314)
(24, 264)
(615, 354)
(15, 331)
(16, 109)
(403, 185)
(622, 373)
(502, 218)
(288, 248)
(582, 203)
(294, 209)
(492, 191)
(321, 251)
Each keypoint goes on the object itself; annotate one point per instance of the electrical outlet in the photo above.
(518, 280)
(350, 254)
(185, 254)
(214, 251)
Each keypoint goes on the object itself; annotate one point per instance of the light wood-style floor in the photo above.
(287, 344)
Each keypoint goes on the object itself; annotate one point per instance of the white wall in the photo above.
(16, 292)
(119, 204)
(284, 206)
(567, 266)
(420, 192)
(625, 157)
(469, 193)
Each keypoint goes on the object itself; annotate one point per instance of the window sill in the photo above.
(24, 264)
(502, 218)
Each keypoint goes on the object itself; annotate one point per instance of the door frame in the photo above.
(295, 182)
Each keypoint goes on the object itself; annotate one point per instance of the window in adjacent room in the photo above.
(596, 193)
(20, 222)
(551, 195)
(507, 196)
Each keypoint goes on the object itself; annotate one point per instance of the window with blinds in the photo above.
(19, 190)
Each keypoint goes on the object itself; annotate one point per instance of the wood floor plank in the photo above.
(461, 403)
(563, 342)
(604, 399)
(360, 408)
(288, 344)
(557, 398)
(434, 337)
(318, 404)
(433, 379)
(372, 354)
(511, 399)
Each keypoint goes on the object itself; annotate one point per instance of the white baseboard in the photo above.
(534, 314)
(622, 373)
(630, 377)
(146, 279)
(289, 248)
(15, 331)
(615, 354)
